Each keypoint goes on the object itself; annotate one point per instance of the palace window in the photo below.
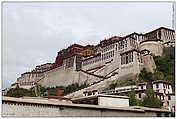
(126, 43)
(163, 85)
(160, 97)
(169, 97)
(124, 59)
(139, 95)
(132, 56)
(121, 59)
(163, 97)
(159, 34)
(157, 86)
(127, 58)
(122, 44)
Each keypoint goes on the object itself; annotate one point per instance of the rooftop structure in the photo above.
(57, 92)
(59, 98)
(43, 68)
(105, 100)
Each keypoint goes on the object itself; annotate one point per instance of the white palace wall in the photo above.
(27, 80)
(64, 77)
(132, 67)
(59, 77)
(149, 63)
(155, 47)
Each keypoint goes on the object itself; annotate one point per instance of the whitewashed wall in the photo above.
(11, 110)
(64, 77)
(154, 47)
(114, 102)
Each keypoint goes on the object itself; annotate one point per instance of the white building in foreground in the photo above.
(20, 107)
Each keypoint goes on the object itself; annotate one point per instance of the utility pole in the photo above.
(174, 16)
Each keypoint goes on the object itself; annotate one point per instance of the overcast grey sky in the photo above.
(33, 33)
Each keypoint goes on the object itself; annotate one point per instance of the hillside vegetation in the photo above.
(166, 65)
(42, 91)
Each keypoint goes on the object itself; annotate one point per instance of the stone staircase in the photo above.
(99, 85)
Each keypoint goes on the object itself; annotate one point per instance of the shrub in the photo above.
(150, 100)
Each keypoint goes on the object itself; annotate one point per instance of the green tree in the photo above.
(133, 101)
(169, 52)
(146, 76)
(84, 85)
(20, 92)
(122, 94)
(122, 83)
(158, 75)
(150, 100)
(132, 98)
(166, 65)
(32, 90)
(112, 86)
(170, 79)
(42, 91)
(74, 87)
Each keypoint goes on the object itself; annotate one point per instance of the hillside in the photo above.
(166, 65)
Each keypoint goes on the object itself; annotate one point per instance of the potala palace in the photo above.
(113, 59)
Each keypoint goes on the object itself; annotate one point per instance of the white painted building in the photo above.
(18, 107)
(163, 91)
(104, 100)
